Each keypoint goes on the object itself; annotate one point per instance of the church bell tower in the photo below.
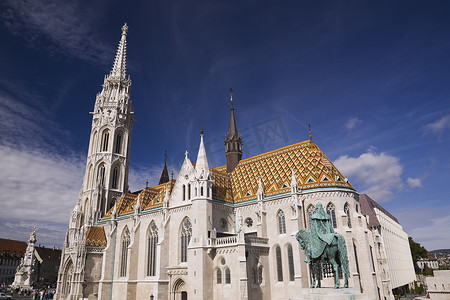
(106, 176)
(233, 141)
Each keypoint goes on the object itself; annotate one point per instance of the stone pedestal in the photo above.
(330, 294)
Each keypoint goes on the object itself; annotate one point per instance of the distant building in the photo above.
(430, 261)
(11, 253)
(439, 285)
(39, 265)
(391, 245)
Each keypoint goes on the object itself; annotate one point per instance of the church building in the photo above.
(211, 233)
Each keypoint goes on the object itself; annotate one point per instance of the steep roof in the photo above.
(95, 237)
(48, 254)
(312, 169)
(12, 248)
(368, 206)
(150, 197)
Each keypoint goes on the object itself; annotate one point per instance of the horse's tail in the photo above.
(343, 255)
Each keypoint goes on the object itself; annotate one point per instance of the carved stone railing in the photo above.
(256, 241)
(233, 240)
(223, 241)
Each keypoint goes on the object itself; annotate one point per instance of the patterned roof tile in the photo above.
(95, 237)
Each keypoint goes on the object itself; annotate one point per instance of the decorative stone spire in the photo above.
(119, 69)
(201, 167)
(165, 174)
(233, 141)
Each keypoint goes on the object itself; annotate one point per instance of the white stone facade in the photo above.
(185, 239)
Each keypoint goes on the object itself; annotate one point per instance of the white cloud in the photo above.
(439, 126)
(39, 184)
(352, 123)
(414, 182)
(377, 175)
(59, 26)
(427, 225)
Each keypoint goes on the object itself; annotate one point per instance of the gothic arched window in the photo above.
(347, 212)
(189, 191)
(115, 178)
(93, 142)
(332, 213)
(105, 140)
(124, 252)
(281, 222)
(184, 192)
(227, 276)
(89, 177)
(291, 263)
(279, 264)
(101, 175)
(67, 277)
(311, 210)
(118, 146)
(219, 276)
(152, 240)
(186, 233)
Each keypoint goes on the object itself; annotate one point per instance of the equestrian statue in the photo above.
(321, 244)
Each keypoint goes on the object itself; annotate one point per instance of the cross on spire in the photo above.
(310, 135)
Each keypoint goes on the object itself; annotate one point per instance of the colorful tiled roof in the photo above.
(150, 197)
(312, 169)
(95, 237)
(222, 186)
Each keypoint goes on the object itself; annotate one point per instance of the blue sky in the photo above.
(371, 77)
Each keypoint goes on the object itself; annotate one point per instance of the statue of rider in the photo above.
(322, 232)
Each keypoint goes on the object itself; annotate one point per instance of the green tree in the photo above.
(417, 250)
(427, 271)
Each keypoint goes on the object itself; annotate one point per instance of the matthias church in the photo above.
(215, 233)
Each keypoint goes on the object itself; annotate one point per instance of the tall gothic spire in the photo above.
(119, 69)
(233, 141)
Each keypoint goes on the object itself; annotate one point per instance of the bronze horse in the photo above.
(335, 253)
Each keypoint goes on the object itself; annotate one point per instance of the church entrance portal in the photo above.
(179, 291)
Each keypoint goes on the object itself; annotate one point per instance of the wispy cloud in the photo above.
(439, 126)
(352, 123)
(58, 26)
(429, 226)
(39, 184)
(377, 174)
(414, 182)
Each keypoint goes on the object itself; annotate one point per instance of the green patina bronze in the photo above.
(321, 244)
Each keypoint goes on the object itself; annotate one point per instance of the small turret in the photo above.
(201, 167)
(165, 174)
(233, 141)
